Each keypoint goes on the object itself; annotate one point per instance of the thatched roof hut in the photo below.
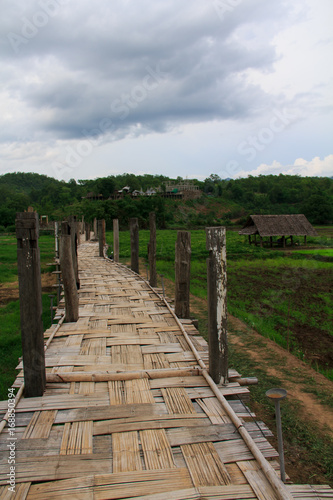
(278, 225)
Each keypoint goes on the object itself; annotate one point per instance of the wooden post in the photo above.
(305, 240)
(87, 231)
(30, 293)
(291, 240)
(255, 240)
(115, 240)
(283, 241)
(73, 231)
(250, 239)
(217, 303)
(134, 228)
(182, 274)
(101, 237)
(56, 239)
(152, 250)
(95, 228)
(68, 276)
(261, 241)
(271, 241)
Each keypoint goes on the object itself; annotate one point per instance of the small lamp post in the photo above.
(277, 395)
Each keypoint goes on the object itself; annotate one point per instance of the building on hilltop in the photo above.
(283, 226)
(185, 189)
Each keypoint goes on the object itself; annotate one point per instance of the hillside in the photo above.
(221, 201)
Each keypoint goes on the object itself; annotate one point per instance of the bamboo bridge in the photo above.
(130, 411)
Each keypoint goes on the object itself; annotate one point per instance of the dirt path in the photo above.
(296, 376)
(10, 291)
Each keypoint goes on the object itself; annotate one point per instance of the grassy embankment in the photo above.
(10, 333)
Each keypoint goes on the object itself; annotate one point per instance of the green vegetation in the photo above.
(284, 298)
(10, 334)
(222, 201)
(314, 452)
(10, 340)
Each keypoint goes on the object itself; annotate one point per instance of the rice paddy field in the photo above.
(285, 294)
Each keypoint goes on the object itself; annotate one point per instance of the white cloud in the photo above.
(316, 167)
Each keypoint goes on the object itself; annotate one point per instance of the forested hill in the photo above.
(222, 201)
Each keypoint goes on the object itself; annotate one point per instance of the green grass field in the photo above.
(285, 295)
(10, 333)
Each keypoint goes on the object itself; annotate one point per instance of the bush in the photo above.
(2, 229)
(11, 229)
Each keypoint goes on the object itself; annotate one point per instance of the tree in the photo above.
(318, 209)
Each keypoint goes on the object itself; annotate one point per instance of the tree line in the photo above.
(268, 194)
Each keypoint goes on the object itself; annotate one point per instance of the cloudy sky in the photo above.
(175, 87)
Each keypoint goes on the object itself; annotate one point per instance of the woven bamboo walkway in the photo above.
(128, 412)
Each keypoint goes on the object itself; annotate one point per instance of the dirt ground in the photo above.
(10, 291)
(264, 348)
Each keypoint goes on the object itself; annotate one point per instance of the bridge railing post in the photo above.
(115, 240)
(68, 275)
(30, 293)
(152, 250)
(182, 274)
(101, 237)
(217, 303)
(134, 230)
(87, 231)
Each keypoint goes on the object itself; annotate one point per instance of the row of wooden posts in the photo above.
(28, 260)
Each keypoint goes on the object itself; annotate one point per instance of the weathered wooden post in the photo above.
(101, 237)
(68, 275)
(73, 231)
(87, 231)
(95, 228)
(115, 240)
(30, 293)
(152, 250)
(134, 229)
(56, 240)
(182, 274)
(217, 303)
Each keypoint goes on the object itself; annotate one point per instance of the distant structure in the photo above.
(185, 189)
(93, 196)
(284, 226)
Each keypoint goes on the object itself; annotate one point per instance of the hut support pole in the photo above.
(217, 303)
(261, 241)
(304, 240)
(182, 274)
(30, 293)
(134, 230)
(152, 250)
(115, 240)
(250, 239)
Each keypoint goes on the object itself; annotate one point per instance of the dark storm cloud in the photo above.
(70, 66)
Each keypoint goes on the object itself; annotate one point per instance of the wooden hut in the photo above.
(284, 226)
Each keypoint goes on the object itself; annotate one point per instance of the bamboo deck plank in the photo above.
(127, 412)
